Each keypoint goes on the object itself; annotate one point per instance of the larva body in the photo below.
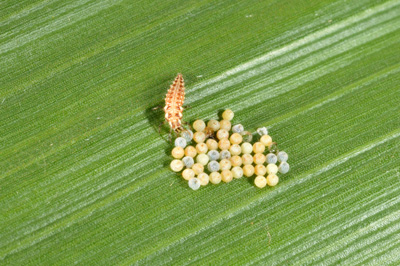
(173, 104)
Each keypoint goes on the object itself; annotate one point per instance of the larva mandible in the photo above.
(173, 104)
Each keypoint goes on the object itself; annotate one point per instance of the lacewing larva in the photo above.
(174, 104)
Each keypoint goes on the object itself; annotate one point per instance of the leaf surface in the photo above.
(84, 172)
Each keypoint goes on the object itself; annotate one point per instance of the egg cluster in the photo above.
(222, 152)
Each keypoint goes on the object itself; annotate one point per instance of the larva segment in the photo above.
(173, 103)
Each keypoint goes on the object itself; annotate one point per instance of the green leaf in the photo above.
(84, 172)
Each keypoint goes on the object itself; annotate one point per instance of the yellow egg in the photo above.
(199, 125)
(260, 181)
(178, 152)
(215, 178)
(176, 165)
(226, 176)
(248, 170)
(228, 115)
(272, 180)
(188, 174)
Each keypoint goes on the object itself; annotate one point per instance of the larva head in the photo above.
(179, 129)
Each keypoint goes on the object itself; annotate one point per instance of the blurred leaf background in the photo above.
(84, 175)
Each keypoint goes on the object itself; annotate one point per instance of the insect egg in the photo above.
(209, 132)
(201, 148)
(187, 135)
(225, 124)
(213, 154)
(237, 128)
(190, 151)
(203, 178)
(199, 125)
(283, 167)
(235, 149)
(247, 136)
(273, 147)
(282, 156)
(272, 168)
(248, 170)
(225, 164)
(199, 137)
(226, 176)
(266, 140)
(246, 148)
(259, 158)
(260, 169)
(176, 165)
(236, 160)
(198, 168)
(224, 144)
(236, 138)
(194, 183)
(262, 131)
(212, 144)
(225, 154)
(272, 180)
(180, 142)
(237, 172)
(177, 152)
(202, 158)
(215, 178)
(271, 158)
(213, 166)
(188, 161)
(247, 159)
(188, 174)
(258, 147)
(222, 134)
(228, 114)
(260, 181)
(213, 124)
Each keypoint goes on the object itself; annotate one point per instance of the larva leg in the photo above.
(157, 107)
(159, 127)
